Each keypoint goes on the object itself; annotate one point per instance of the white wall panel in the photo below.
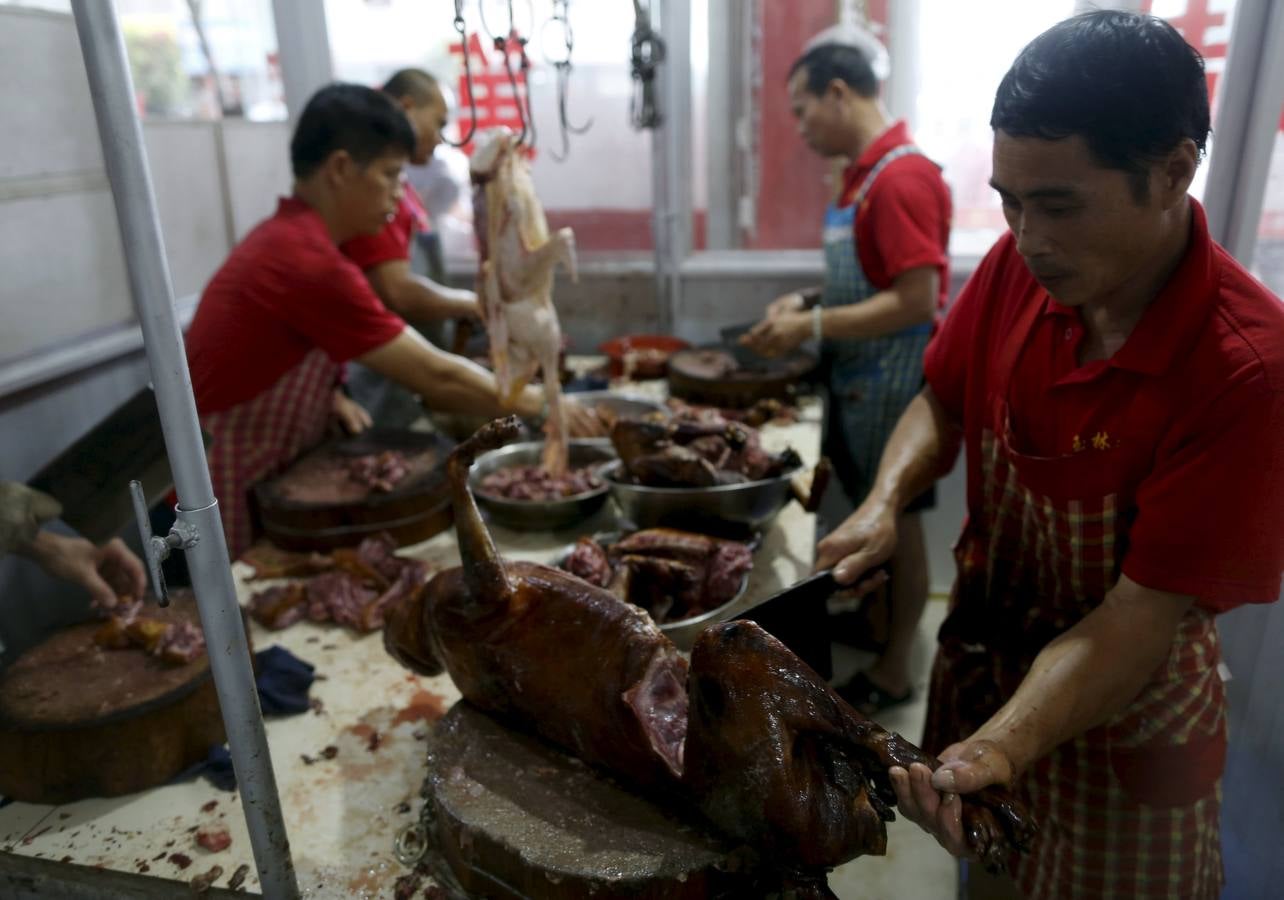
(183, 158)
(64, 275)
(48, 118)
(258, 165)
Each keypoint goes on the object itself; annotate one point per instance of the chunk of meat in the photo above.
(270, 561)
(213, 838)
(776, 758)
(175, 643)
(381, 472)
(589, 561)
(700, 452)
(545, 649)
(339, 597)
(281, 606)
(538, 483)
(515, 282)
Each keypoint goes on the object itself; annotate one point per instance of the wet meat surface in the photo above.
(672, 574)
(174, 643)
(354, 590)
(701, 451)
(380, 472)
(536, 483)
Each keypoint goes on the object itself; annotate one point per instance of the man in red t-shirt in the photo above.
(1117, 380)
(385, 256)
(887, 273)
(287, 308)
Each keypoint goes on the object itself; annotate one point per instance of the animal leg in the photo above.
(483, 569)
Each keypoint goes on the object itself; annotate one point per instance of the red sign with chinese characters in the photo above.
(496, 99)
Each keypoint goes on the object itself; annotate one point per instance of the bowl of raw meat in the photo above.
(683, 579)
(701, 471)
(516, 491)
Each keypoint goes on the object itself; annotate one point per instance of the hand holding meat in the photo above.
(935, 800)
(515, 282)
(779, 334)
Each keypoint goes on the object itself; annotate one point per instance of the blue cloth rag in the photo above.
(283, 681)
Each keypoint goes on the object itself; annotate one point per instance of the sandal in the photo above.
(868, 698)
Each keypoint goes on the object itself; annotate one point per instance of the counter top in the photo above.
(349, 770)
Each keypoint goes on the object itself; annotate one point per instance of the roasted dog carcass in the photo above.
(776, 758)
(536, 645)
(515, 281)
(753, 737)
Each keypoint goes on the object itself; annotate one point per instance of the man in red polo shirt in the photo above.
(385, 256)
(886, 275)
(1118, 382)
(287, 308)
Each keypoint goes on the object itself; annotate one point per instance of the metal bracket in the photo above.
(182, 536)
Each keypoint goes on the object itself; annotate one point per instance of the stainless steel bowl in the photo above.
(529, 515)
(683, 632)
(752, 504)
(621, 405)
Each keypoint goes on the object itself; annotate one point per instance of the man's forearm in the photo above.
(1088, 674)
(446, 382)
(882, 314)
(920, 450)
(422, 299)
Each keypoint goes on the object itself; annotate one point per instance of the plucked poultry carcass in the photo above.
(540, 647)
(515, 281)
(776, 758)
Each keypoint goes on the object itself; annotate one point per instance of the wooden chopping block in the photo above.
(78, 720)
(314, 505)
(515, 818)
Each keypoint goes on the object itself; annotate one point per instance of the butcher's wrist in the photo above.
(810, 296)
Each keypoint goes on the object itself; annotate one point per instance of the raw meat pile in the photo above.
(537, 483)
(351, 587)
(762, 412)
(701, 452)
(379, 471)
(750, 735)
(672, 574)
(515, 281)
(176, 644)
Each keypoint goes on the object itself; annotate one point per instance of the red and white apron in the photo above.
(1130, 808)
(256, 439)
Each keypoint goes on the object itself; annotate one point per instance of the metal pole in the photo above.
(122, 141)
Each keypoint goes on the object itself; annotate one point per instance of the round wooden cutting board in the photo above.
(78, 720)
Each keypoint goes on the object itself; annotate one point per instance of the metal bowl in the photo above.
(683, 632)
(529, 515)
(751, 505)
(624, 406)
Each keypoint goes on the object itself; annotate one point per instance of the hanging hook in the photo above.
(468, 76)
(561, 16)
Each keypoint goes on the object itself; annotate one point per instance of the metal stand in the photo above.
(199, 527)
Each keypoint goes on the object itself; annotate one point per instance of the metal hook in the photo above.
(468, 77)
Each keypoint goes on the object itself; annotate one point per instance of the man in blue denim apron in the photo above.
(886, 265)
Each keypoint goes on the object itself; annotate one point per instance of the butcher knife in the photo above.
(731, 341)
(796, 617)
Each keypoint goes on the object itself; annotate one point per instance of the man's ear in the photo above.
(406, 103)
(1176, 173)
(338, 166)
(837, 89)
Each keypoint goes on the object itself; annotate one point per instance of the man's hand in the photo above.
(463, 304)
(777, 335)
(786, 303)
(352, 416)
(931, 799)
(865, 540)
(110, 572)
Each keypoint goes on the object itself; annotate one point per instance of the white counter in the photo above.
(342, 814)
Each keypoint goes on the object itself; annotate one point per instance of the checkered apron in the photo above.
(871, 381)
(1130, 808)
(256, 439)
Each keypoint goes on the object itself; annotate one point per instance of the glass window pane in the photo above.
(1268, 256)
(602, 186)
(1206, 26)
(957, 86)
(221, 63)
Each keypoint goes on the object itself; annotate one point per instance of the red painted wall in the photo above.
(792, 191)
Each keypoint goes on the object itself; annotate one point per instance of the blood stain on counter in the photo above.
(424, 706)
(182, 860)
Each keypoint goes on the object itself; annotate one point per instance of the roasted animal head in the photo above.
(776, 758)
